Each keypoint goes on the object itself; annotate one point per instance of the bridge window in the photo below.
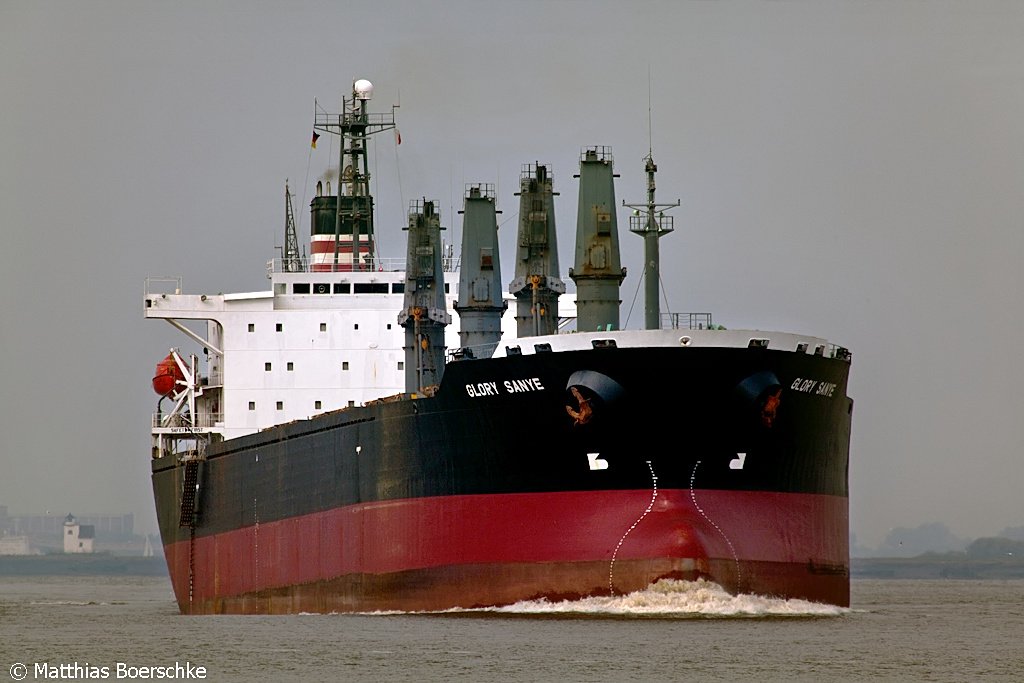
(371, 288)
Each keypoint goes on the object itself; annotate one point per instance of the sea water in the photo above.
(128, 628)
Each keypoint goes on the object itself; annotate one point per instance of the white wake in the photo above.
(672, 598)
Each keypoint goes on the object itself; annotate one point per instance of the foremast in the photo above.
(650, 222)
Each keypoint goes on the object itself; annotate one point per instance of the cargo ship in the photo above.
(340, 447)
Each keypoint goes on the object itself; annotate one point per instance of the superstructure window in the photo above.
(280, 327)
(401, 365)
(371, 288)
(398, 288)
(344, 365)
(317, 405)
(252, 327)
(280, 405)
(356, 326)
(300, 288)
(322, 288)
(323, 327)
(389, 326)
(291, 366)
(252, 405)
(351, 404)
(342, 288)
(266, 367)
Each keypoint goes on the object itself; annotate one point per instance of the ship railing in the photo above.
(214, 379)
(202, 421)
(596, 153)
(326, 121)
(163, 284)
(686, 321)
(479, 190)
(641, 222)
(840, 353)
(368, 265)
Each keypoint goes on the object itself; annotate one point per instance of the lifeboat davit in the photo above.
(168, 374)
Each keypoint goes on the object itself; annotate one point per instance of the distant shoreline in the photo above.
(98, 564)
(936, 567)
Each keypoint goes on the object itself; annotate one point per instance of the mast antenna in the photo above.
(650, 126)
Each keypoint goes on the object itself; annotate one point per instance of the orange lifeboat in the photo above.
(167, 375)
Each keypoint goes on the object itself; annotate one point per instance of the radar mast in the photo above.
(354, 215)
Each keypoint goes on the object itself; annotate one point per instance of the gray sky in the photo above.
(851, 170)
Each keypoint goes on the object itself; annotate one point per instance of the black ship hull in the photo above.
(726, 463)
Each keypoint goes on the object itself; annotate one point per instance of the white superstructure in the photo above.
(314, 343)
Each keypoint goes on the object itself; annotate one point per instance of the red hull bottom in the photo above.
(482, 586)
(472, 551)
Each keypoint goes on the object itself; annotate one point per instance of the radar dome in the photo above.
(362, 89)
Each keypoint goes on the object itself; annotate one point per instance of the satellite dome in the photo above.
(362, 89)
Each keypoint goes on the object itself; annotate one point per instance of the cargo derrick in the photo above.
(425, 315)
(598, 271)
(480, 304)
(537, 285)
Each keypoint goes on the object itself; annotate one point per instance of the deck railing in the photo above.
(202, 420)
(686, 321)
(368, 265)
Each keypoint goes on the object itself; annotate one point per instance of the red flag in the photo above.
(315, 136)
(398, 137)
